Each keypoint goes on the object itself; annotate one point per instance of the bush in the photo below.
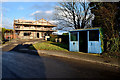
(110, 46)
(113, 45)
(65, 38)
(52, 37)
(65, 34)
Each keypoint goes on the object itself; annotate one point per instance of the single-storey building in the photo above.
(85, 40)
(8, 34)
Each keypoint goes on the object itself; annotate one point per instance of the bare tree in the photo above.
(74, 14)
(107, 17)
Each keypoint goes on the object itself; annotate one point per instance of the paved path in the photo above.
(83, 56)
(21, 65)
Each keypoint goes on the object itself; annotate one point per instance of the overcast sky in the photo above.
(27, 11)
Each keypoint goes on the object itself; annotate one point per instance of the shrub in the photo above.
(52, 37)
(65, 34)
(113, 45)
(65, 38)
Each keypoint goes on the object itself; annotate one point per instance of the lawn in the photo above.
(48, 45)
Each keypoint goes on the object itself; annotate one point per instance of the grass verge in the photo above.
(48, 45)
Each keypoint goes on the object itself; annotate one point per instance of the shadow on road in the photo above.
(23, 48)
(22, 63)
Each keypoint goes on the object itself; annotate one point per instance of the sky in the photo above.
(26, 11)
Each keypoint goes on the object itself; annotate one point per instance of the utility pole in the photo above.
(2, 34)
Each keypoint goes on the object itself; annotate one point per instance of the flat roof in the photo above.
(40, 22)
(87, 29)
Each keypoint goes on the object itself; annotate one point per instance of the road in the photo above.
(25, 65)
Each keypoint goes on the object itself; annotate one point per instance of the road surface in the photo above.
(25, 65)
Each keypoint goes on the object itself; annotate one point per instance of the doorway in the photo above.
(83, 42)
(37, 35)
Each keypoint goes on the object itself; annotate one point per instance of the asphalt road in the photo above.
(26, 66)
(13, 44)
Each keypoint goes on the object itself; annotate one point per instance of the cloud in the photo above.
(48, 12)
(36, 12)
(44, 6)
(53, 22)
(20, 8)
(42, 14)
(43, 10)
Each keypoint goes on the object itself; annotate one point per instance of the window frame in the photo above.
(28, 34)
(75, 34)
(95, 37)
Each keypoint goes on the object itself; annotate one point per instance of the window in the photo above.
(74, 36)
(26, 34)
(27, 22)
(46, 26)
(26, 26)
(94, 35)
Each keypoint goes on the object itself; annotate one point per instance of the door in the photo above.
(37, 35)
(73, 41)
(94, 43)
(83, 46)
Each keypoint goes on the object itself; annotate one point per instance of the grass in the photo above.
(49, 46)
